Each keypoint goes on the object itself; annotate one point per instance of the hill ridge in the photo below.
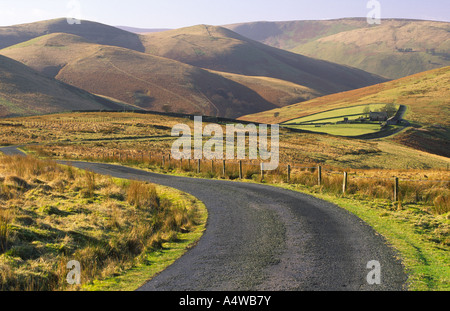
(394, 49)
(24, 92)
(55, 54)
(91, 31)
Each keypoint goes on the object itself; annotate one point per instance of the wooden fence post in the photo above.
(262, 171)
(198, 166)
(212, 166)
(289, 173)
(240, 169)
(319, 175)
(344, 184)
(163, 160)
(223, 168)
(396, 189)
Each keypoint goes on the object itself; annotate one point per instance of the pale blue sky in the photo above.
(181, 13)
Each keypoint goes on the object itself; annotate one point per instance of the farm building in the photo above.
(378, 116)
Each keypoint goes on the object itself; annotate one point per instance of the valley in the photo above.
(88, 171)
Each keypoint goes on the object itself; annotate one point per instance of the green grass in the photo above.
(13, 108)
(24, 44)
(92, 136)
(427, 264)
(336, 114)
(425, 95)
(415, 92)
(50, 214)
(155, 262)
(341, 129)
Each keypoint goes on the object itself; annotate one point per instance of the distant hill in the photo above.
(278, 92)
(220, 49)
(394, 49)
(156, 83)
(148, 81)
(200, 70)
(24, 92)
(426, 95)
(48, 54)
(90, 31)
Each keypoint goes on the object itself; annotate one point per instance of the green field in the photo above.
(327, 122)
(341, 129)
(336, 115)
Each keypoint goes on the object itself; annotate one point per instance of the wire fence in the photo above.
(433, 191)
(168, 161)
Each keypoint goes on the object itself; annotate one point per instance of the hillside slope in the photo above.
(278, 92)
(156, 83)
(24, 92)
(220, 49)
(48, 54)
(199, 70)
(198, 91)
(148, 81)
(90, 31)
(426, 95)
(394, 49)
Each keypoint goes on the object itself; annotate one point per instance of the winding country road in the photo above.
(262, 238)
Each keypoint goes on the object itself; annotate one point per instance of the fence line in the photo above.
(244, 169)
(168, 160)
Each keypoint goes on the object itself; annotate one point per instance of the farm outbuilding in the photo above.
(378, 116)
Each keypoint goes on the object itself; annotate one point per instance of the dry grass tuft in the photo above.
(142, 195)
(50, 215)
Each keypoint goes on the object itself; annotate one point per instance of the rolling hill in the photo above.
(225, 74)
(24, 92)
(278, 92)
(48, 54)
(220, 49)
(426, 96)
(90, 31)
(394, 49)
(156, 83)
(148, 81)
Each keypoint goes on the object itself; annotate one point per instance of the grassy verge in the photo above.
(155, 262)
(52, 214)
